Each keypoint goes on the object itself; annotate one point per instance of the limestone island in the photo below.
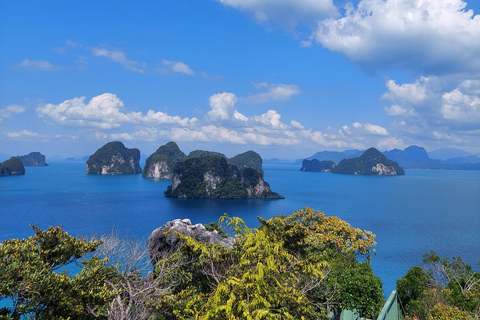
(212, 177)
(160, 164)
(12, 166)
(316, 165)
(33, 159)
(371, 162)
(114, 158)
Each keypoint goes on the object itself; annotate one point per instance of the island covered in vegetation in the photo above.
(33, 159)
(12, 166)
(371, 162)
(211, 176)
(114, 158)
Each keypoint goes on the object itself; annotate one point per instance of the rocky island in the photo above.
(33, 159)
(12, 166)
(114, 158)
(371, 162)
(316, 165)
(211, 176)
(159, 165)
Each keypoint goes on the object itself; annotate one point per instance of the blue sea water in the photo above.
(411, 215)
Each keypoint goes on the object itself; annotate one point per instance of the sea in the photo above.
(410, 215)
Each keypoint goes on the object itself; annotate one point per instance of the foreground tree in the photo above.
(32, 278)
(302, 266)
(442, 289)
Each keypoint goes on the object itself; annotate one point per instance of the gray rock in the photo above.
(160, 244)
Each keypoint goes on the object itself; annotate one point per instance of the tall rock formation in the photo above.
(33, 159)
(114, 158)
(317, 166)
(371, 162)
(212, 176)
(159, 165)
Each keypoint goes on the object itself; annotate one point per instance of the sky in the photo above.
(285, 78)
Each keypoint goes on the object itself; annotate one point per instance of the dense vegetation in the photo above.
(115, 156)
(12, 166)
(33, 159)
(249, 159)
(302, 266)
(212, 176)
(443, 289)
(169, 154)
(363, 165)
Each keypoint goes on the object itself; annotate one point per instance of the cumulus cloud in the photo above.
(120, 57)
(176, 66)
(222, 106)
(462, 107)
(8, 111)
(105, 111)
(275, 92)
(396, 110)
(369, 128)
(37, 65)
(287, 13)
(429, 36)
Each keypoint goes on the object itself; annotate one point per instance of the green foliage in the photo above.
(33, 159)
(124, 160)
(443, 288)
(286, 269)
(214, 226)
(363, 165)
(249, 159)
(12, 166)
(30, 279)
(211, 176)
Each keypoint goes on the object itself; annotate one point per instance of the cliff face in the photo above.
(114, 158)
(212, 176)
(33, 159)
(12, 166)
(371, 162)
(317, 166)
(159, 165)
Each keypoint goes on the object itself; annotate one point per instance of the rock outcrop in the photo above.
(159, 165)
(212, 176)
(33, 159)
(317, 166)
(12, 166)
(114, 158)
(160, 244)
(371, 162)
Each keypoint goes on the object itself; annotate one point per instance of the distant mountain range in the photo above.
(413, 157)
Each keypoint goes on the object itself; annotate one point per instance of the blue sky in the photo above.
(284, 78)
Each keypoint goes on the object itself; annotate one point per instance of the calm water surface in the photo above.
(412, 214)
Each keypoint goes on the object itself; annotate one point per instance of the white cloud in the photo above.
(369, 128)
(222, 106)
(275, 92)
(104, 112)
(396, 110)
(271, 118)
(287, 13)
(120, 57)
(391, 143)
(177, 66)
(296, 124)
(22, 134)
(408, 92)
(38, 65)
(458, 106)
(7, 111)
(430, 36)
